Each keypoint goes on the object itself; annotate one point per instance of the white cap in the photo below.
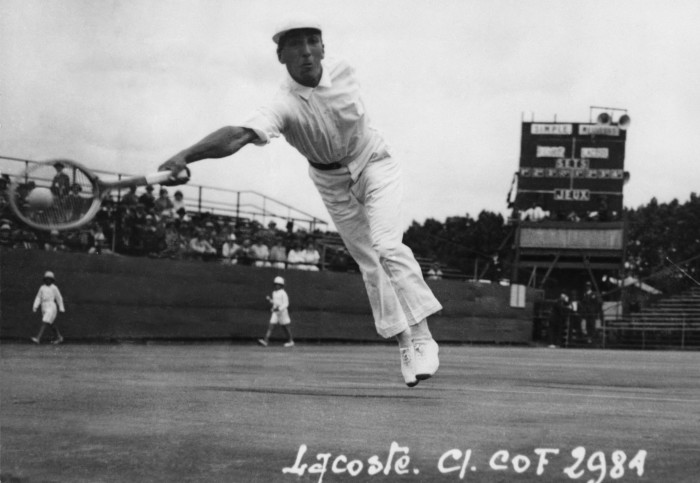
(49, 275)
(232, 237)
(279, 281)
(295, 24)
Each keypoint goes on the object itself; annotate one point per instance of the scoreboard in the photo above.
(569, 167)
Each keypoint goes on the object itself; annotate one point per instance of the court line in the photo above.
(310, 393)
(583, 394)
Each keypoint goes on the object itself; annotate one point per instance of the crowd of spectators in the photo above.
(141, 224)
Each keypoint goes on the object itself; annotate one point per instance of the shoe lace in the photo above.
(419, 349)
(405, 356)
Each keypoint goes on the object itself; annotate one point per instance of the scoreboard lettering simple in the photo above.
(571, 167)
(558, 129)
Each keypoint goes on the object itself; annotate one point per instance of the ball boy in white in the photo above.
(50, 300)
(280, 313)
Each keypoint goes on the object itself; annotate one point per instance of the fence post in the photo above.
(683, 333)
(605, 330)
(117, 222)
(199, 200)
(264, 213)
(238, 207)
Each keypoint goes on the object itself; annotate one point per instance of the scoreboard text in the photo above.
(569, 167)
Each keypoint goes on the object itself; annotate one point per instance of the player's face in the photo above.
(301, 52)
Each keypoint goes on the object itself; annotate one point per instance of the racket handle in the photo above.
(166, 177)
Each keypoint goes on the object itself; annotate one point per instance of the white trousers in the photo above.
(367, 215)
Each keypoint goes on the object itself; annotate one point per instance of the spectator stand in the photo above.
(646, 318)
(670, 322)
(133, 229)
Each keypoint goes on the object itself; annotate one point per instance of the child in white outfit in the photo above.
(280, 313)
(50, 300)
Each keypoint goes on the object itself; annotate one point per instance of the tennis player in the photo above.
(320, 112)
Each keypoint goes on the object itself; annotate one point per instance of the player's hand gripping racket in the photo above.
(62, 195)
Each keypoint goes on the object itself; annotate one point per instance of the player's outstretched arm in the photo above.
(219, 144)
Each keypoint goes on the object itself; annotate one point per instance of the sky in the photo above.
(123, 85)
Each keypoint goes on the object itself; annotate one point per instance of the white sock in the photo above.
(404, 339)
(420, 331)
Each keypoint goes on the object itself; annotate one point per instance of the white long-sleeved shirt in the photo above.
(326, 123)
(49, 294)
(280, 300)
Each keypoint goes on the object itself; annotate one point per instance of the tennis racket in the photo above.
(61, 194)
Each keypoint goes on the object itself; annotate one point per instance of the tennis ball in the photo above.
(40, 198)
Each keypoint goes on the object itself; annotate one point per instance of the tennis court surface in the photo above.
(242, 413)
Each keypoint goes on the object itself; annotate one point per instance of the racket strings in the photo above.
(54, 198)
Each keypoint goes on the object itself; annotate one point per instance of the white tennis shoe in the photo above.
(408, 370)
(426, 360)
(289, 344)
(262, 342)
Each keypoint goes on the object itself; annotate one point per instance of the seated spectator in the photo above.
(175, 245)
(245, 254)
(130, 199)
(434, 273)
(221, 237)
(6, 235)
(230, 250)
(201, 248)
(55, 242)
(147, 200)
(311, 257)
(79, 240)
(278, 255)
(185, 227)
(260, 253)
(26, 239)
(99, 241)
(295, 257)
(534, 213)
(179, 204)
(163, 206)
(340, 262)
(210, 232)
(148, 236)
(573, 216)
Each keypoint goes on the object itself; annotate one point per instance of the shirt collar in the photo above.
(304, 91)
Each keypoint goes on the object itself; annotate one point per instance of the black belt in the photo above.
(325, 166)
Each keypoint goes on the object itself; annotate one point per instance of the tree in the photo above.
(657, 233)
